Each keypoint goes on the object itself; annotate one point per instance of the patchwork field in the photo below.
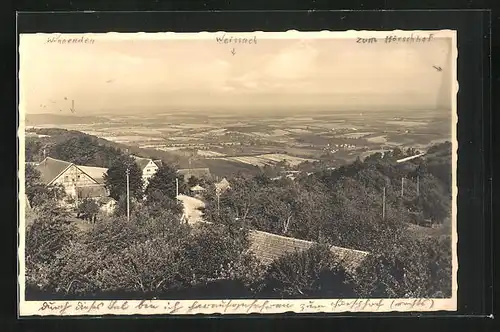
(229, 142)
(267, 159)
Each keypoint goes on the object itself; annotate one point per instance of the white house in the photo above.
(148, 167)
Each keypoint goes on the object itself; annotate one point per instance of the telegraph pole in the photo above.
(383, 205)
(176, 187)
(402, 186)
(128, 195)
(418, 185)
(218, 203)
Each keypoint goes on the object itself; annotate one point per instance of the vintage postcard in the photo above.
(234, 173)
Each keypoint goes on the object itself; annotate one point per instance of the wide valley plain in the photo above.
(228, 141)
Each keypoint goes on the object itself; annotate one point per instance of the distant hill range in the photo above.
(59, 119)
(56, 140)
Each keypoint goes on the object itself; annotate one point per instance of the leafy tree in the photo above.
(88, 209)
(411, 268)
(311, 273)
(33, 184)
(157, 202)
(239, 201)
(161, 191)
(148, 268)
(192, 181)
(121, 206)
(82, 149)
(33, 149)
(112, 236)
(46, 236)
(164, 182)
(115, 179)
(39, 193)
(213, 252)
(45, 239)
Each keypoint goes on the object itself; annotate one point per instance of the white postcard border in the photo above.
(271, 306)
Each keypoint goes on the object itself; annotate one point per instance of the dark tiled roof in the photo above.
(268, 247)
(91, 191)
(50, 168)
(158, 162)
(196, 172)
(141, 162)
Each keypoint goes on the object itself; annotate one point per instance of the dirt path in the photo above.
(191, 209)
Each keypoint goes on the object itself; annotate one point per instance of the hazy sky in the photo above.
(167, 75)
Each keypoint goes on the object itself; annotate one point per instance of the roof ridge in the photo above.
(283, 237)
(308, 242)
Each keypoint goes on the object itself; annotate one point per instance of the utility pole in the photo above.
(218, 203)
(128, 195)
(176, 187)
(383, 205)
(402, 186)
(418, 185)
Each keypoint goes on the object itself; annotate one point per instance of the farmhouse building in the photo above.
(148, 167)
(77, 181)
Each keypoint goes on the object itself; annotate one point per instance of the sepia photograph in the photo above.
(224, 172)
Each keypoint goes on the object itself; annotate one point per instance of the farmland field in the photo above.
(234, 142)
(267, 159)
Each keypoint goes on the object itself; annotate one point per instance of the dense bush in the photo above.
(311, 273)
(414, 268)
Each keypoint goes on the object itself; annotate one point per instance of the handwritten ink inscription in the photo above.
(59, 39)
(225, 39)
(232, 306)
(413, 38)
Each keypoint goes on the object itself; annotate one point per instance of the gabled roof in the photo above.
(269, 247)
(158, 162)
(142, 162)
(222, 185)
(197, 188)
(196, 172)
(96, 173)
(51, 168)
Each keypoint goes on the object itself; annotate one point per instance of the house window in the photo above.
(65, 178)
